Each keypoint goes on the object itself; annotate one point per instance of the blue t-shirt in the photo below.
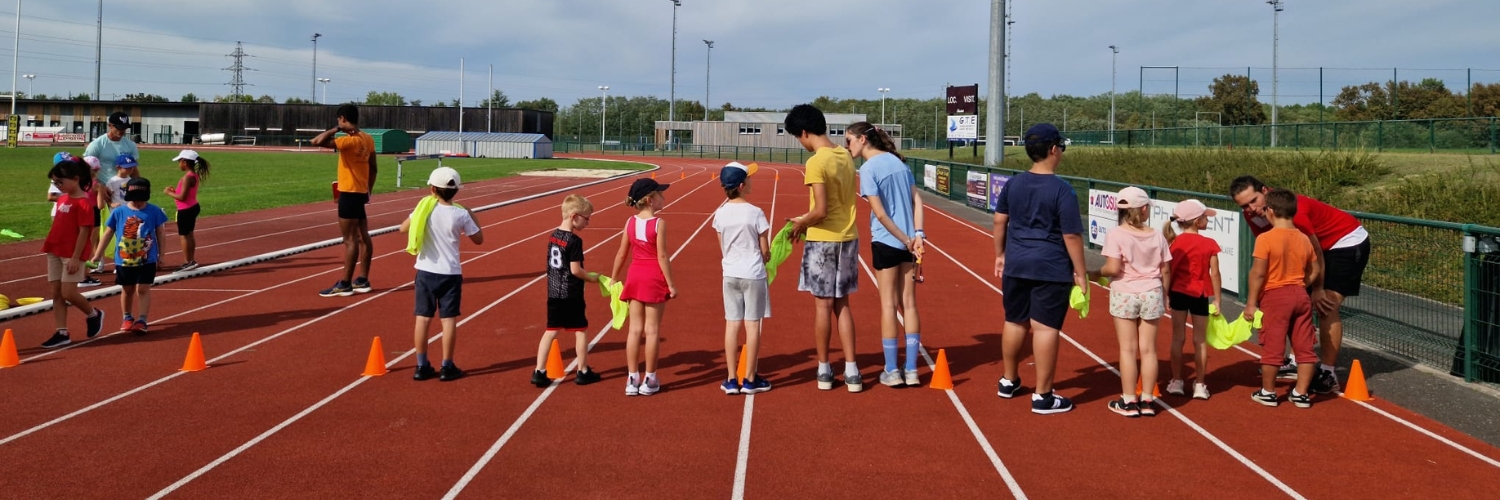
(1042, 209)
(136, 241)
(887, 177)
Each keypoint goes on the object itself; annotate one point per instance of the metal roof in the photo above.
(485, 137)
(772, 117)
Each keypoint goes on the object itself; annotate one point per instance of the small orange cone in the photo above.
(1356, 389)
(778, 176)
(682, 175)
(653, 175)
(941, 378)
(375, 365)
(8, 355)
(1155, 391)
(554, 362)
(194, 361)
(740, 372)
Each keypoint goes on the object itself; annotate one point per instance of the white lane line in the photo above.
(1189, 422)
(515, 427)
(226, 290)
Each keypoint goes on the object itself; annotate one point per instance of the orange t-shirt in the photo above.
(354, 162)
(1286, 252)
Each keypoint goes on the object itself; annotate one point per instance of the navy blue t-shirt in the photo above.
(1042, 209)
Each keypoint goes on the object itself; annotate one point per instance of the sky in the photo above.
(767, 53)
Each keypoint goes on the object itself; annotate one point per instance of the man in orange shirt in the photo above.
(356, 173)
(1286, 266)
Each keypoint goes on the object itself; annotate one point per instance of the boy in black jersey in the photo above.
(565, 278)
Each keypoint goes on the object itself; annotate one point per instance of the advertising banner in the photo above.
(1223, 228)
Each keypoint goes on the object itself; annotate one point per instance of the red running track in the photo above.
(289, 415)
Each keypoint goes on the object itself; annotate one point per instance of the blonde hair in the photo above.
(575, 205)
(1182, 225)
(1134, 217)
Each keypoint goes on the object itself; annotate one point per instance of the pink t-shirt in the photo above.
(190, 194)
(1142, 253)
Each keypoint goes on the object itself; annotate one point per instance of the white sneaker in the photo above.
(650, 386)
(913, 379)
(1200, 391)
(631, 387)
(1175, 388)
(891, 378)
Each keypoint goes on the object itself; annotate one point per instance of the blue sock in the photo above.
(422, 359)
(913, 342)
(141, 318)
(128, 317)
(889, 345)
(448, 363)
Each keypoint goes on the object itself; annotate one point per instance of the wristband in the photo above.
(920, 234)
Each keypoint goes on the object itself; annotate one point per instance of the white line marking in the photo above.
(226, 290)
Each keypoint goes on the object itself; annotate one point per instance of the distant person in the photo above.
(830, 257)
(896, 240)
(566, 307)
(138, 224)
(66, 248)
(1286, 267)
(744, 242)
(1039, 259)
(1343, 248)
(1138, 262)
(648, 282)
(108, 147)
(185, 193)
(1195, 286)
(434, 229)
(356, 174)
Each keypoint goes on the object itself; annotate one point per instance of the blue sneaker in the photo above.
(752, 386)
(1049, 403)
(340, 289)
(730, 387)
(1009, 388)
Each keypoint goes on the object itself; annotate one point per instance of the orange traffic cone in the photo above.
(653, 175)
(744, 359)
(1356, 389)
(682, 175)
(194, 361)
(941, 378)
(8, 355)
(375, 364)
(1155, 391)
(554, 362)
(778, 176)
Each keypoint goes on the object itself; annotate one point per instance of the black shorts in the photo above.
(187, 220)
(1346, 268)
(567, 314)
(97, 216)
(1027, 300)
(1196, 306)
(352, 205)
(439, 294)
(884, 256)
(135, 275)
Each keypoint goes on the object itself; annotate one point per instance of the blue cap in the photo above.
(1043, 133)
(61, 157)
(735, 174)
(125, 161)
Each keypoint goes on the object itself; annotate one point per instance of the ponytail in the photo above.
(877, 138)
(200, 167)
(1167, 232)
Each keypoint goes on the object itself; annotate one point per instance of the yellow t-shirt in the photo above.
(354, 162)
(834, 169)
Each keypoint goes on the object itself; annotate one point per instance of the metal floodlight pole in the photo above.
(13, 126)
(315, 65)
(98, 47)
(882, 91)
(994, 123)
(707, 75)
(30, 85)
(1276, 9)
(324, 81)
(1113, 58)
(489, 117)
(603, 112)
(672, 93)
(461, 146)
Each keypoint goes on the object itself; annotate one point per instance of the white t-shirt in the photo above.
(439, 253)
(116, 187)
(51, 190)
(740, 226)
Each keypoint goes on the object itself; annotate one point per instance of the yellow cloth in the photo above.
(417, 233)
(618, 309)
(781, 248)
(1079, 301)
(1223, 334)
(109, 250)
(834, 169)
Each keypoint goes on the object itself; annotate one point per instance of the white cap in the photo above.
(93, 162)
(187, 154)
(444, 177)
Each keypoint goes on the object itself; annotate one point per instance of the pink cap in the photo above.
(1192, 210)
(92, 161)
(1132, 197)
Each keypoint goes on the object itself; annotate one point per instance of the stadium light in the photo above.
(882, 91)
(1276, 9)
(315, 65)
(672, 94)
(707, 75)
(13, 126)
(603, 112)
(30, 85)
(324, 81)
(1115, 55)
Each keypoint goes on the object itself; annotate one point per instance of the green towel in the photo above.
(109, 250)
(12, 234)
(417, 233)
(1223, 334)
(781, 248)
(618, 309)
(1079, 301)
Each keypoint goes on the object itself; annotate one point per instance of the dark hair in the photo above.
(1039, 150)
(446, 194)
(1283, 202)
(200, 167)
(805, 118)
(1243, 182)
(876, 137)
(74, 169)
(349, 112)
(732, 192)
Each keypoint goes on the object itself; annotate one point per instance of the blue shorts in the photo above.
(1028, 300)
(439, 294)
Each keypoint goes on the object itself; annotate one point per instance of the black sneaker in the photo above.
(1009, 388)
(1265, 398)
(1049, 403)
(424, 372)
(89, 281)
(95, 323)
(450, 373)
(1287, 370)
(361, 285)
(188, 266)
(1301, 400)
(59, 339)
(340, 289)
(540, 380)
(1130, 409)
(586, 377)
(1324, 382)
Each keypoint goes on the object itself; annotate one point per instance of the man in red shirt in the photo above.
(1342, 245)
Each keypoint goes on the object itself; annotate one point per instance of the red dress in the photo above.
(644, 281)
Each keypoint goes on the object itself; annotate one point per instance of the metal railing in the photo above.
(1441, 135)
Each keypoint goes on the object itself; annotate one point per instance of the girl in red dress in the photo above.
(648, 282)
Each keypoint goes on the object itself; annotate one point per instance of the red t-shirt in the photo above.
(1190, 264)
(72, 213)
(1313, 217)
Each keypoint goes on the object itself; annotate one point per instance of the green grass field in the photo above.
(242, 181)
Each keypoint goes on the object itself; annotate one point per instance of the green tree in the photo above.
(190, 97)
(144, 97)
(298, 100)
(440, 104)
(416, 103)
(232, 98)
(542, 104)
(266, 99)
(498, 98)
(375, 98)
(1235, 97)
(81, 97)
